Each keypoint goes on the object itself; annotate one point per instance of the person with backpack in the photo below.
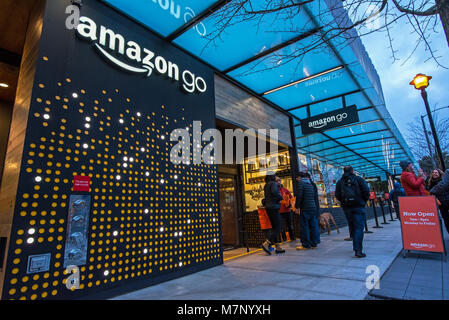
(307, 202)
(272, 203)
(397, 192)
(353, 192)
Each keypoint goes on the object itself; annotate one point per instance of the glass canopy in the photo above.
(282, 60)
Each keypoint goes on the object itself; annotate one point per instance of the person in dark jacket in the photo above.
(315, 188)
(272, 205)
(435, 177)
(397, 192)
(353, 192)
(441, 191)
(307, 202)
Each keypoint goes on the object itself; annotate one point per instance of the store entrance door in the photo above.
(227, 185)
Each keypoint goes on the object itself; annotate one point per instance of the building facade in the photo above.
(89, 186)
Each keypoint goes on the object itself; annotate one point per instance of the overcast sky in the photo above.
(404, 102)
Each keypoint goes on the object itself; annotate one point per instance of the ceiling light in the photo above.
(303, 80)
(4, 85)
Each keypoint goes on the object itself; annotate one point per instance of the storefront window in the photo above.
(333, 174)
(254, 173)
(302, 163)
(318, 178)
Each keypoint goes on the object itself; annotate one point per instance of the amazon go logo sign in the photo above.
(329, 120)
(320, 123)
(132, 57)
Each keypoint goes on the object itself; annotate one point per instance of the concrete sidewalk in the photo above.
(329, 272)
(420, 276)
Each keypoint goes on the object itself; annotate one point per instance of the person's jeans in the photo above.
(308, 226)
(351, 231)
(444, 209)
(356, 219)
(396, 209)
(275, 220)
(287, 225)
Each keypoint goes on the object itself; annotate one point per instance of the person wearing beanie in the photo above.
(413, 185)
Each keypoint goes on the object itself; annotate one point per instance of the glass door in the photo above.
(229, 210)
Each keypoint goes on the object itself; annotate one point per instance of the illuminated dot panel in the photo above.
(148, 216)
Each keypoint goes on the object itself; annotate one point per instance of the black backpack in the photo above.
(350, 192)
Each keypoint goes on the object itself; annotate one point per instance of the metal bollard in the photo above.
(366, 227)
(383, 211)
(375, 215)
(391, 212)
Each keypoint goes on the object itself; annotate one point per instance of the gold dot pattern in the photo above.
(148, 217)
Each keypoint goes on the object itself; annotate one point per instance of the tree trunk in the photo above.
(444, 16)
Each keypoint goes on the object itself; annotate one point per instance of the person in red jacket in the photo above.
(286, 212)
(413, 185)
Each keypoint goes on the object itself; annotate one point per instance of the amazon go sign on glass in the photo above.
(133, 57)
(330, 120)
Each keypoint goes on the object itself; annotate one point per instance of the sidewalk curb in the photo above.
(380, 296)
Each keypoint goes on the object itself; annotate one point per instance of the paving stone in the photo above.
(423, 293)
(399, 285)
(388, 293)
(329, 272)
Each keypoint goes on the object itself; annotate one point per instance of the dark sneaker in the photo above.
(313, 247)
(348, 239)
(267, 247)
(279, 249)
(360, 254)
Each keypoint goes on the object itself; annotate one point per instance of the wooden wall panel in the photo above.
(239, 107)
(19, 121)
(5, 123)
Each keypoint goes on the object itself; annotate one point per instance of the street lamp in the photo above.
(421, 82)
(426, 134)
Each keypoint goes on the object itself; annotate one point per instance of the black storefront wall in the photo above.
(135, 221)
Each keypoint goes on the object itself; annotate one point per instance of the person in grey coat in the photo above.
(441, 191)
(307, 202)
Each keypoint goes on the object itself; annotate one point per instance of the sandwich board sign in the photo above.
(421, 225)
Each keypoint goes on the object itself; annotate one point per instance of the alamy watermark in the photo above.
(373, 280)
(73, 281)
(207, 146)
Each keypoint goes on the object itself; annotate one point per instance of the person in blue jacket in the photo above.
(397, 192)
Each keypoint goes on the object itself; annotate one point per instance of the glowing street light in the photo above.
(421, 82)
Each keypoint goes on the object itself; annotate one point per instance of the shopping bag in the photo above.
(285, 201)
(263, 218)
(292, 203)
